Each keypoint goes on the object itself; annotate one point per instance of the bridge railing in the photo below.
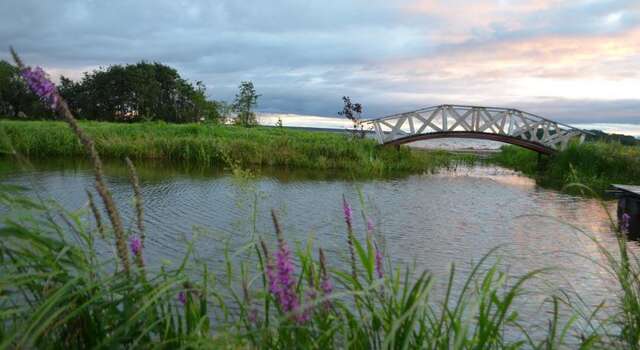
(500, 123)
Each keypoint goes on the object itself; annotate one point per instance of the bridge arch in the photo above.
(488, 123)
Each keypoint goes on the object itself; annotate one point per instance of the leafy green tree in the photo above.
(10, 88)
(134, 92)
(72, 92)
(246, 99)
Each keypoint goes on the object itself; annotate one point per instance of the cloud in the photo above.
(578, 60)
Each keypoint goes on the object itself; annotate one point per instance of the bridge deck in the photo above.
(628, 190)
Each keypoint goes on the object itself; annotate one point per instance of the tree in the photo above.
(72, 93)
(137, 92)
(10, 89)
(245, 100)
(133, 92)
(353, 111)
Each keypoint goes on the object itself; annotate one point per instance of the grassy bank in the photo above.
(208, 145)
(593, 164)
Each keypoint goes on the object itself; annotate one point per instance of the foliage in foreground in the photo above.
(59, 291)
(595, 165)
(207, 145)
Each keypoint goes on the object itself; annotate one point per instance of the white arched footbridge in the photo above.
(489, 123)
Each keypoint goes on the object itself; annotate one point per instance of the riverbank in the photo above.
(595, 165)
(209, 145)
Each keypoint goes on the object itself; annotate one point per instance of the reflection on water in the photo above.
(458, 144)
(455, 216)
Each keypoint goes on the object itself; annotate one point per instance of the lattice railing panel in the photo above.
(453, 119)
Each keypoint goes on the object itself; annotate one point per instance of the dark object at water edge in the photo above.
(628, 208)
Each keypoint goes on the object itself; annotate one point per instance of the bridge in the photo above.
(489, 123)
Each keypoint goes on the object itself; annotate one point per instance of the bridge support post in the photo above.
(542, 161)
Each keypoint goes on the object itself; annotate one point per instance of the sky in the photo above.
(572, 61)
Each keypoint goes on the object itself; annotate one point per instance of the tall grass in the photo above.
(59, 291)
(207, 145)
(593, 164)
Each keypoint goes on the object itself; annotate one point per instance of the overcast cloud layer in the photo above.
(576, 61)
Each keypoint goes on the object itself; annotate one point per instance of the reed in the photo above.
(595, 165)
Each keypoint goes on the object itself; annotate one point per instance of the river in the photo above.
(432, 220)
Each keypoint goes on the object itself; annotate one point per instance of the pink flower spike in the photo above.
(182, 297)
(40, 85)
(348, 211)
(379, 266)
(285, 279)
(370, 226)
(136, 245)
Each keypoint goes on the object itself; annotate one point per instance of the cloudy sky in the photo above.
(575, 61)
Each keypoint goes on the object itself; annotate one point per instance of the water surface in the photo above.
(432, 220)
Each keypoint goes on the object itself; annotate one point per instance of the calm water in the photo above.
(455, 216)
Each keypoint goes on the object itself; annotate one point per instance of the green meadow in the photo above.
(225, 145)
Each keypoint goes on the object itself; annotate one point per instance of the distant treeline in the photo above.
(134, 92)
(623, 139)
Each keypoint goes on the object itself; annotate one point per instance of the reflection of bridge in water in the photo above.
(489, 123)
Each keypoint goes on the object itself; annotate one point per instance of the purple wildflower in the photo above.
(348, 212)
(182, 297)
(272, 278)
(327, 289)
(310, 297)
(626, 218)
(348, 216)
(136, 245)
(325, 285)
(40, 84)
(285, 279)
(370, 226)
(379, 266)
(282, 282)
